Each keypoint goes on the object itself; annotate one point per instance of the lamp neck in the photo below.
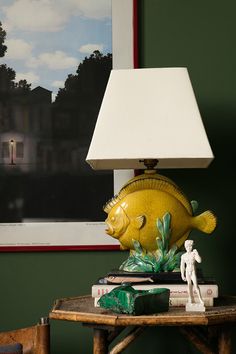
(150, 163)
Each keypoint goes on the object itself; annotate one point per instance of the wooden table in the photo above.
(210, 332)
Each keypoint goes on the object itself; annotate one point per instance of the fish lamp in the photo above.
(149, 119)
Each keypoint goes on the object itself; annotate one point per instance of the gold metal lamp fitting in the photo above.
(150, 165)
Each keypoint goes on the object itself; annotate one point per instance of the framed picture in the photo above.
(53, 73)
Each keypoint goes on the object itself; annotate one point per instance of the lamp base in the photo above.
(139, 217)
(163, 259)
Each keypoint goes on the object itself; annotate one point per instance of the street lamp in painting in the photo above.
(11, 148)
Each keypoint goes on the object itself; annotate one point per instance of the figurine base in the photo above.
(196, 307)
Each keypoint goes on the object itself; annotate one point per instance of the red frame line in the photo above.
(59, 248)
(135, 34)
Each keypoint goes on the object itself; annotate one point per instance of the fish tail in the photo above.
(205, 222)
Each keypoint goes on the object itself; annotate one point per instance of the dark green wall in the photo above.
(30, 282)
(199, 35)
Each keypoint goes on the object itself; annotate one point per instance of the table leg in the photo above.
(198, 338)
(100, 342)
(224, 340)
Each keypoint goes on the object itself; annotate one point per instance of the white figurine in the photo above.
(188, 273)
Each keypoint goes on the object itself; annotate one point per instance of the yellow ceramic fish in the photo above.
(132, 214)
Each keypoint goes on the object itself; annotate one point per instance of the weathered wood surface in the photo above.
(125, 342)
(100, 343)
(224, 340)
(35, 339)
(200, 341)
(82, 309)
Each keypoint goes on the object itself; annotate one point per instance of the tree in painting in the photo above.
(82, 94)
(8, 86)
(3, 47)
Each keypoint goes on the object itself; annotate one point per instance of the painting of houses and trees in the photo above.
(46, 123)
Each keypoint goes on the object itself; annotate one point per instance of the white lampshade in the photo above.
(149, 114)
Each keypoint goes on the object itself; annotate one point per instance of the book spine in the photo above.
(181, 302)
(175, 301)
(176, 290)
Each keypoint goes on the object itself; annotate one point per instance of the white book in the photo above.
(176, 301)
(181, 301)
(176, 290)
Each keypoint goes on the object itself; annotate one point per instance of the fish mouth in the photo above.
(109, 230)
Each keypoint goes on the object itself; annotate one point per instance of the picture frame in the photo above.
(87, 235)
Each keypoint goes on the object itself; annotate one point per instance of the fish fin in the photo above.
(194, 205)
(123, 248)
(155, 182)
(139, 221)
(205, 222)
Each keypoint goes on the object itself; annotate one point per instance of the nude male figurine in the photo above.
(188, 273)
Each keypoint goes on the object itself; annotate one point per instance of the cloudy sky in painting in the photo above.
(47, 39)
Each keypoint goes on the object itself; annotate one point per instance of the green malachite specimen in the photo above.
(125, 299)
(164, 259)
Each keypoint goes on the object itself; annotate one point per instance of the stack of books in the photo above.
(147, 281)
